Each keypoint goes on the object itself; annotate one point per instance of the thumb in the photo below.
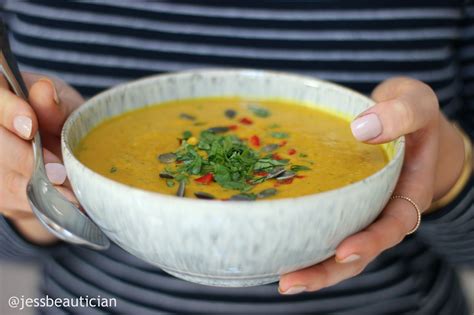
(53, 101)
(403, 106)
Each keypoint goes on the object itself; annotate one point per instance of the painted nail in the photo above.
(55, 92)
(23, 125)
(56, 173)
(366, 127)
(294, 290)
(349, 259)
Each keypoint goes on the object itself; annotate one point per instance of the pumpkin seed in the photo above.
(243, 197)
(279, 135)
(270, 147)
(218, 129)
(230, 113)
(286, 175)
(187, 116)
(275, 172)
(203, 195)
(169, 183)
(181, 189)
(259, 111)
(266, 193)
(166, 175)
(167, 158)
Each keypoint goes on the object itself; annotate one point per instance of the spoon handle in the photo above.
(13, 75)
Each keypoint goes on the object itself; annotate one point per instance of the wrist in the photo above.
(33, 231)
(450, 158)
(455, 165)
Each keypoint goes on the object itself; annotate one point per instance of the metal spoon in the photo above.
(58, 215)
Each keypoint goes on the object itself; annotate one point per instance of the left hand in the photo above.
(404, 107)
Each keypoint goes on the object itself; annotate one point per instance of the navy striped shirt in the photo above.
(96, 44)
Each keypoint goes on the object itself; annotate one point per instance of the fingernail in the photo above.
(366, 127)
(56, 173)
(293, 290)
(23, 125)
(349, 259)
(55, 93)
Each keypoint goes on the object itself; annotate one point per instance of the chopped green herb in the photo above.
(273, 126)
(113, 169)
(297, 168)
(187, 134)
(279, 135)
(170, 183)
(200, 123)
(259, 111)
(303, 155)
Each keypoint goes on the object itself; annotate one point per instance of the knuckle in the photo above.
(405, 113)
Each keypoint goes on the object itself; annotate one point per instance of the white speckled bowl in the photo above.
(227, 243)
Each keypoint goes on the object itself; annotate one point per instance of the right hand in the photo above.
(50, 103)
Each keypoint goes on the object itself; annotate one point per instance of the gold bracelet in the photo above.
(462, 179)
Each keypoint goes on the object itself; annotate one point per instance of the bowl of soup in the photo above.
(228, 177)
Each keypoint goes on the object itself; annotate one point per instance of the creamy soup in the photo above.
(230, 148)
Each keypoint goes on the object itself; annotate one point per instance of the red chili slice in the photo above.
(276, 156)
(255, 140)
(233, 127)
(283, 143)
(246, 121)
(206, 179)
(284, 182)
(291, 151)
(300, 176)
(261, 173)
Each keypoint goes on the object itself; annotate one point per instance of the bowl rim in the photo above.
(67, 151)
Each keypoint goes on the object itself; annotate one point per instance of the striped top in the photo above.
(95, 45)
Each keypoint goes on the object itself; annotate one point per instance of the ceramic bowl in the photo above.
(225, 243)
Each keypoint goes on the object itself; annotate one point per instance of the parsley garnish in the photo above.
(228, 158)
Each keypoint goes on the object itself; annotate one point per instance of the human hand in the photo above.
(50, 103)
(404, 107)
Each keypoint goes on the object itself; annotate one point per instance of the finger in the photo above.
(14, 202)
(17, 214)
(16, 115)
(13, 191)
(20, 158)
(397, 219)
(403, 107)
(68, 194)
(324, 274)
(53, 101)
